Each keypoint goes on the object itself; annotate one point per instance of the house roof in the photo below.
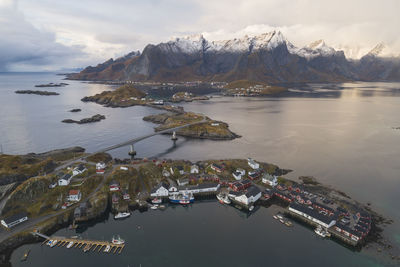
(66, 177)
(74, 192)
(81, 167)
(252, 191)
(113, 182)
(313, 213)
(15, 217)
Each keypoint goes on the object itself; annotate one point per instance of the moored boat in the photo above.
(322, 232)
(227, 200)
(70, 244)
(117, 240)
(251, 208)
(122, 215)
(107, 249)
(26, 254)
(53, 243)
(288, 223)
(275, 217)
(156, 201)
(182, 198)
(154, 207)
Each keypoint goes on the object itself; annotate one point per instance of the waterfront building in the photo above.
(161, 190)
(201, 188)
(313, 215)
(270, 180)
(241, 185)
(74, 195)
(65, 180)
(14, 219)
(254, 165)
(251, 195)
(79, 170)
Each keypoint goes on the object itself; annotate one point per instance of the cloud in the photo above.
(52, 34)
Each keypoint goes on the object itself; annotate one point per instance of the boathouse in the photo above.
(252, 194)
(312, 215)
(14, 220)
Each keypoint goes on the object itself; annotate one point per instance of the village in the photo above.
(88, 188)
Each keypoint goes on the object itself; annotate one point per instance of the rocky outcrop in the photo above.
(33, 92)
(75, 110)
(51, 85)
(94, 118)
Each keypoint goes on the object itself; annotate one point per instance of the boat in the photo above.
(53, 243)
(279, 216)
(220, 197)
(107, 249)
(50, 242)
(122, 215)
(87, 248)
(227, 200)
(282, 221)
(161, 207)
(154, 207)
(70, 244)
(156, 201)
(288, 223)
(117, 240)
(182, 198)
(275, 217)
(251, 208)
(322, 232)
(26, 254)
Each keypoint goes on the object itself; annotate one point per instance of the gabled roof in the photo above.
(252, 191)
(74, 192)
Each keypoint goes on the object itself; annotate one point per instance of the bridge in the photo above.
(140, 138)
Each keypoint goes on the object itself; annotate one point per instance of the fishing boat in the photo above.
(322, 232)
(70, 244)
(107, 249)
(117, 240)
(26, 254)
(183, 198)
(156, 201)
(122, 215)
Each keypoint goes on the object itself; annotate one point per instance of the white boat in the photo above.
(279, 216)
(122, 215)
(322, 232)
(251, 208)
(50, 242)
(161, 207)
(70, 244)
(107, 249)
(228, 201)
(156, 201)
(154, 207)
(275, 217)
(117, 240)
(220, 197)
(53, 243)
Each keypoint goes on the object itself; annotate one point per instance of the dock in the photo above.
(84, 244)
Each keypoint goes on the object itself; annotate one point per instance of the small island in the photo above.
(75, 110)
(187, 97)
(94, 118)
(251, 88)
(36, 92)
(209, 129)
(52, 85)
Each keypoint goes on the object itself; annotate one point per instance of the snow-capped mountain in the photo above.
(267, 57)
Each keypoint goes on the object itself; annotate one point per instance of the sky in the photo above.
(54, 35)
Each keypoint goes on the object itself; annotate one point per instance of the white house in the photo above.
(74, 195)
(79, 170)
(173, 188)
(182, 182)
(65, 180)
(166, 173)
(194, 169)
(269, 179)
(100, 167)
(252, 194)
(254, 165)
(238, 174)
(14, 220)
(161, 190)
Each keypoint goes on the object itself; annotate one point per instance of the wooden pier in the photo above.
(84, 244)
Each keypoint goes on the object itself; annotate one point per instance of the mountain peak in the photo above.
(377, 50)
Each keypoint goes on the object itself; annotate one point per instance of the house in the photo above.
(79, 170)
(74, 195)
(238, 174)
(312, 215)
(100, 167)
(194, 169)
(65, 180)
(53, 185)
(216, 167)
(254, 165)
(125, 195)
(252, 194)
(161, 190)
(270, 180)
(180, 170)
(166, 173)
(14, 220)
(172, 188)
(240, 185)
(182, 182)
(114, 186)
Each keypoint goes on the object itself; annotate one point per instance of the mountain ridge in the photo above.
(268, 57)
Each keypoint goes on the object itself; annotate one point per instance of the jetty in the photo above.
(84, 244)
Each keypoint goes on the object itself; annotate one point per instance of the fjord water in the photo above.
(342, 134)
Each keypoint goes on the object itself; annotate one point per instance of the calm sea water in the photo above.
(341, 134)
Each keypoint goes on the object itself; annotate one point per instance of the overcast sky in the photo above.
(39, 35)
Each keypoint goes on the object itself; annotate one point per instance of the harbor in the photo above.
(114, 247)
